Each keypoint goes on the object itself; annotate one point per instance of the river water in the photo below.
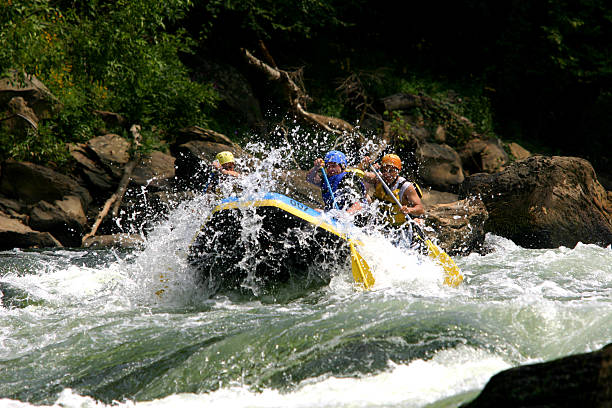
(91, 328)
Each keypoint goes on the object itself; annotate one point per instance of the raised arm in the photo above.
(369, 177)
(314, 174)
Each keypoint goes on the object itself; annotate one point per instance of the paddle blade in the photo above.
(164, 280)
(360, 268)
(453, 276)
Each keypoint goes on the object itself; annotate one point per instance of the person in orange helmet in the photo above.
(394, 217)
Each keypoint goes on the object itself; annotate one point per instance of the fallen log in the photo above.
(129, 168)
(117, 197)
(297, 98)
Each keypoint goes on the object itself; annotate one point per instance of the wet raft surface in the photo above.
(263, 246)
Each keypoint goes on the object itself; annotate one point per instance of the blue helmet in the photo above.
(334, 156)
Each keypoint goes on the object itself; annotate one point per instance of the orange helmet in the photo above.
(392, 160)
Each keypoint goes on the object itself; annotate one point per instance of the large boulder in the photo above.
(35, 95)
(113, 151)
(64, 219)
(15, 234)
(581, 380)
(458, 226)
(20, 116)
(154, 170)
(94, 174)
(518, 152)
(102, 162)
(13, 208)
(32, 183)
(545, 202)
(483, 155)
(432, 197)
(439, 166)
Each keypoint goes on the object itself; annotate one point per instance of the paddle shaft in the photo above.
(361, 270)
(331, 192)
(388, 190)
(454, 276)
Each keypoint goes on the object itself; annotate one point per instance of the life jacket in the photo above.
(391, 212)
(334, 182)
(358, 172)
(221, 185)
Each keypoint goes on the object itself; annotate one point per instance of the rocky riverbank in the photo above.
(539, 202)
(117, 191)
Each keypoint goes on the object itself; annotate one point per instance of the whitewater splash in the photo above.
(166, 246)
(161, 266)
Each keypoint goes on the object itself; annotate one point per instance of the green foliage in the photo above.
(31, 38)
(547, 64)
(134, 64)
(442, 104)
(328, 103)
(399, 125)
(266, 18)
(117, 56)
(576, 38)
(39, 146)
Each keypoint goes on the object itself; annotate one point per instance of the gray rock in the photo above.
(112, 151)
(64, 219)
(14, 234)
(459, 226)
(93, 171)
(439, 166)
(432, 197)
(23, 117)
(545, 202)
(581, 380)
(32, 183)
(518, 152)
(127, 241)
(35, 94)
(111, 118)
(486, 156)
(154, 170)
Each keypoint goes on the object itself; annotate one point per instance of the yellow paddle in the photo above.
(360, 268)
(453, 274)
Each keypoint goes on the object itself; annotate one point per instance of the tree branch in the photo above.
(296, 98)
(117, 196)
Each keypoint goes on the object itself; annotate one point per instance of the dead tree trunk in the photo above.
(117, 197)
(297, 98)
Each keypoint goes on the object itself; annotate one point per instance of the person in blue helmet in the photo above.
(348, 189)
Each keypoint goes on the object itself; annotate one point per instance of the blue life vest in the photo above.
(334, 182)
